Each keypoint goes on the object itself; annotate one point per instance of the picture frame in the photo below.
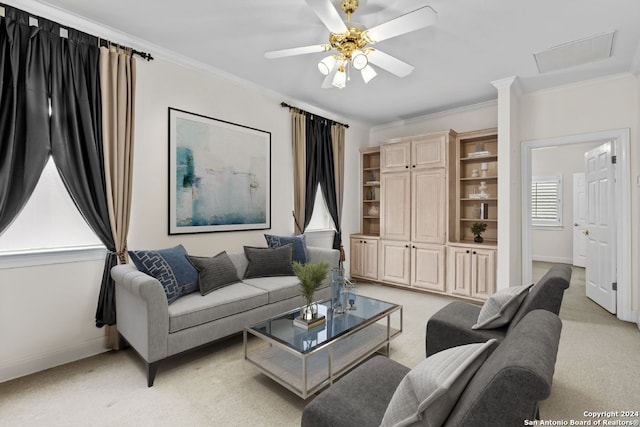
(219, 175)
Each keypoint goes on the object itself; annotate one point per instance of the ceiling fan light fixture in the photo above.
(368, 73)
(359, 59)
(326, 65)
(340, 79)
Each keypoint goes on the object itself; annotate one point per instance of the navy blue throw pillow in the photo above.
(171, 268)
(299, 245)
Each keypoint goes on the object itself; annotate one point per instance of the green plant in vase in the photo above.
(477, 229)
(310, 276)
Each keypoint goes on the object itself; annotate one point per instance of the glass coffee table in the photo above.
(305, 361)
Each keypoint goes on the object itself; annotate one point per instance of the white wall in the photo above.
(556, 244)
(473, 117)
(47, 312)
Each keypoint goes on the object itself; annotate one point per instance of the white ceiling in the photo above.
(472, 44)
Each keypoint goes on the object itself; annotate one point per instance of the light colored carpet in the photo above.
(598, 369)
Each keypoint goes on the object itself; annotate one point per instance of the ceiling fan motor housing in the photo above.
(354, 39)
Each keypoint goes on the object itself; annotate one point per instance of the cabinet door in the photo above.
(429, 152)
(395, 157)
(395, 215)
(370, 259)
(394, 262)
(429, 206)
(428, 267)
(356, 261)
(484, 273)
(459, 271)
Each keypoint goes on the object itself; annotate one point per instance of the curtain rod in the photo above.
(143, 55)
(284, 104)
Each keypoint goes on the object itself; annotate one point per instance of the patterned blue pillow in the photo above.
(299, 245)
(172, 269)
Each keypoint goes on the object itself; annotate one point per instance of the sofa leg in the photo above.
(152, 369)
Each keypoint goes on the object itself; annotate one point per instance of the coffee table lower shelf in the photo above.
(307, 373)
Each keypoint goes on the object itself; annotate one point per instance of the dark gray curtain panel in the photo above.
(38, 66)
(24, 112)
(320, 170)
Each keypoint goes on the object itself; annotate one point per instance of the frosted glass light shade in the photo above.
(326, 65)
(368, 73)
(359, 59)
(340, 79)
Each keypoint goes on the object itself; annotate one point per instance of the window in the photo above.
(49, 220)
(546, 201)
(320, 219)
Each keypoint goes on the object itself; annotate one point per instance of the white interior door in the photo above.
(579, 220)
(601, 253)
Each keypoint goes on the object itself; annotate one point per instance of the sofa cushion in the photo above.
(279, 287)
(170, 267)
(299, 245)
(193, 310)
(214, 272)
(431, 389)
(269, 261)
(499, 308)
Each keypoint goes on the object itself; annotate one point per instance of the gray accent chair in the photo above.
(157, 330)
(451, 325)
(505, 391)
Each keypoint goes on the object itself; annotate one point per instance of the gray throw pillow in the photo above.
(215, 272)
(428, 393)
(264, 262)
(499, 308)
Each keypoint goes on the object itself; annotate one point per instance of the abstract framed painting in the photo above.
(219, 175)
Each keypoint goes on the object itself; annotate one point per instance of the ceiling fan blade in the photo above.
(328, 15)
(389, 63)
(411, 21)
(295, 51)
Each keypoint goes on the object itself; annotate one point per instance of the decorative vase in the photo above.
(373, 210)
(483, 187)
(309, 311)
(337, 289)
(478, 239)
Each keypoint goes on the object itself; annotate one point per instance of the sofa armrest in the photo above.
(330, 256)
(142, 311)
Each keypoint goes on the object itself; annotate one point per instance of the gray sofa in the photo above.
(451, 325)
(505, 390)
(157, 330)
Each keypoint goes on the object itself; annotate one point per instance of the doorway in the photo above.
(620, 143)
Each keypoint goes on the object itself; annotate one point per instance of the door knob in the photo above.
(585, 232)
(575, 224)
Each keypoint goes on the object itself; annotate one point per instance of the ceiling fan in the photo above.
(351, 44)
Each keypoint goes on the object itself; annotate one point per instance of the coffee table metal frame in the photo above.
(278, 359)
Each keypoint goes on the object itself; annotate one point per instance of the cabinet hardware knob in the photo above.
(474, 252)
(406, 167)
(406, 246)
(467, 250)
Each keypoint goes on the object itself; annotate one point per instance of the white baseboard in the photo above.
(51, 360)
(546, 258)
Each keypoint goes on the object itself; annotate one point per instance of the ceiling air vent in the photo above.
(574, 53)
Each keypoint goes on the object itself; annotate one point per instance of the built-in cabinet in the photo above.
(471, 271)
(426, 192)
(414, 210)
(364, 257)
